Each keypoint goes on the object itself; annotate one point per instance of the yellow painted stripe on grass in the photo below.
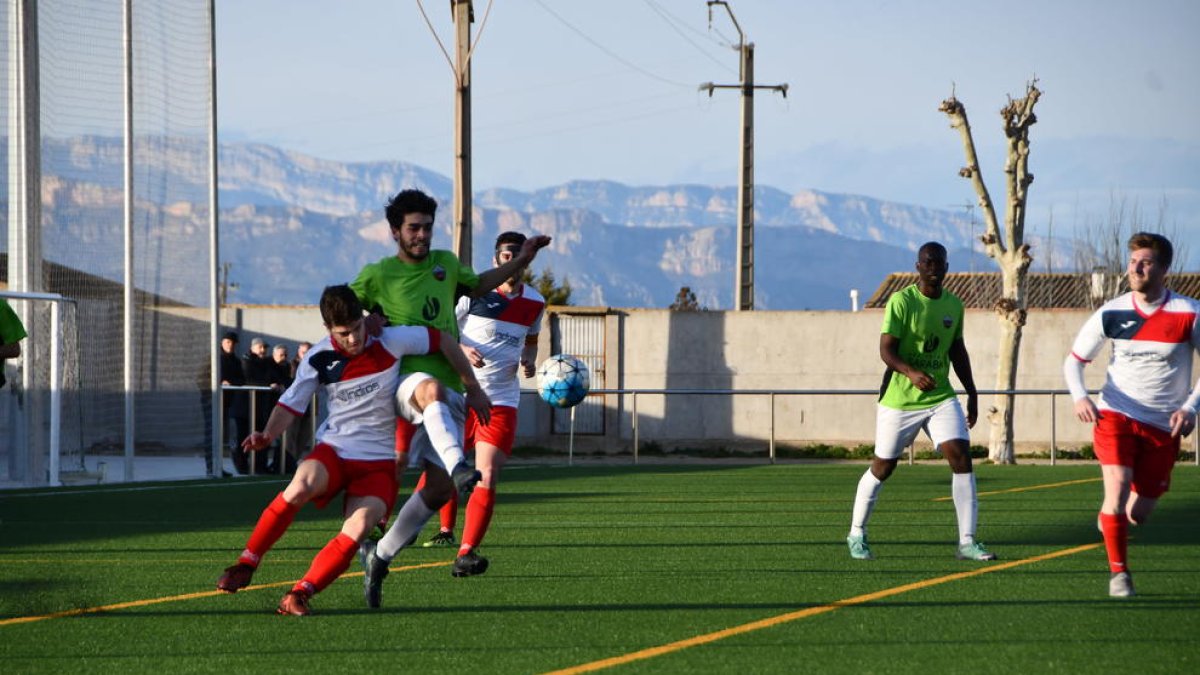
(811, 611)
(1027, 488)
(187, 596)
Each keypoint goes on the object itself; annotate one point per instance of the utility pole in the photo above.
(743, 289)
(464, 15)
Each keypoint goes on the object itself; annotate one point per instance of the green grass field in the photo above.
(691, 568)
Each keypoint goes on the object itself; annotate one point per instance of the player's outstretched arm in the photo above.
(494, 277)
(476, 399)
(279, 421)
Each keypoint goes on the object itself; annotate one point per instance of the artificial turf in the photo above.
(596, 563)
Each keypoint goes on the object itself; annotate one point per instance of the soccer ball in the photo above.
(563, 380)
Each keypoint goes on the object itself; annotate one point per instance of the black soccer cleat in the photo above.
(465, 477)
(374, 572)
(469, 564)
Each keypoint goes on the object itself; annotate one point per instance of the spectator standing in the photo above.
(234, 404)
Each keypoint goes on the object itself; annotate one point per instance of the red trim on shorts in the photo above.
(1151, 452)
(354, 477)
(435, 340)
(500, 431)
(1080, 358)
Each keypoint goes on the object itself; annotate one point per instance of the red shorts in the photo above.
(357, 477)
(500, 431)
(1149, 451)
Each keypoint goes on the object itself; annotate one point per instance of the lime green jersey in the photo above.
(420, 294)
(925, 327)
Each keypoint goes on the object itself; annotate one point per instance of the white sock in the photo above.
(445, 435)
(864, 500)
(962, 488)
(409, 521)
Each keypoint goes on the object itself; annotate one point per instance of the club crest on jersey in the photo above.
(947, 321)
(439, 272)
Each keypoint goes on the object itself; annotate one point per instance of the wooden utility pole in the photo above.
(743, 289)
(464, 15)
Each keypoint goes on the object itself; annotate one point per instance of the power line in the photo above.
(675, 23)
(608, 51)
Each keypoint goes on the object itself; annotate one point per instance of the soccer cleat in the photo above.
(235, 577)
(440, 540)
(294, 603)
(374, 572)
(469, 564)
(974, 551)
(858, 547)
(465, 477)
(1121, 585)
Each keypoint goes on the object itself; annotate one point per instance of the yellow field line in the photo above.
(186, 596)
(805, 613)
(1030, 487)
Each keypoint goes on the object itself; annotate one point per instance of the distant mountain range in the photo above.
(290, 224)
(617, 245)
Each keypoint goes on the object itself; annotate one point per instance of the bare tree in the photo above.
(1101, 246)
(1009, 249)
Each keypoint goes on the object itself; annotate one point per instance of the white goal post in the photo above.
(54, 385)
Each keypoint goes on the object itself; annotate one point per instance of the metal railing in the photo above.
(281, 459)
(1053, 395)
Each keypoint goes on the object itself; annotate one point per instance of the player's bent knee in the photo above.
(427, 392)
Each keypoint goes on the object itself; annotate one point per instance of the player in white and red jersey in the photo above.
(354, 451)
(1148, 400)
(499, 336)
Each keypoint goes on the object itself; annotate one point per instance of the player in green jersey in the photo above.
(420, 286)
(921, 339)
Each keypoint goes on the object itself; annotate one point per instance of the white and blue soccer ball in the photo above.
(563, 380)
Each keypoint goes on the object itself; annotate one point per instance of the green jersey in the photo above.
(925, 327)
(11, 329)
(421, 294)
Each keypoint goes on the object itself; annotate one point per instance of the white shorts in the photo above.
(420, 449)
(895, 429)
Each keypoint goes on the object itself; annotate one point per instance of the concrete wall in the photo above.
(762, 350)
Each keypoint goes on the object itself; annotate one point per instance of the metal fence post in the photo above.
(635, 429)
(1053, 429)
(772, 446)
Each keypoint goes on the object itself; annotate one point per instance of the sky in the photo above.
(590, 89)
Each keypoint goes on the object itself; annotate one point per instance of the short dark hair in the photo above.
(340, 306)
(509, 239)
(931, 246)
(406, 202)
(1164, 253)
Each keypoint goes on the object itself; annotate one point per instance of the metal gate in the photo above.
(582, 336)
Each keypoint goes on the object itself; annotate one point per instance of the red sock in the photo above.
(330, 562)
(449, 513)
(1116, 535)
(271, 525)
(420, 483)
(479, 516)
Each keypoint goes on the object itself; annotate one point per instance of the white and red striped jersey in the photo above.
(361, 390)
(1150, 374)
(497, 325)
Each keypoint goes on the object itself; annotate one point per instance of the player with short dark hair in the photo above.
(922, 338)
(1148, 401)
(354, 450)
